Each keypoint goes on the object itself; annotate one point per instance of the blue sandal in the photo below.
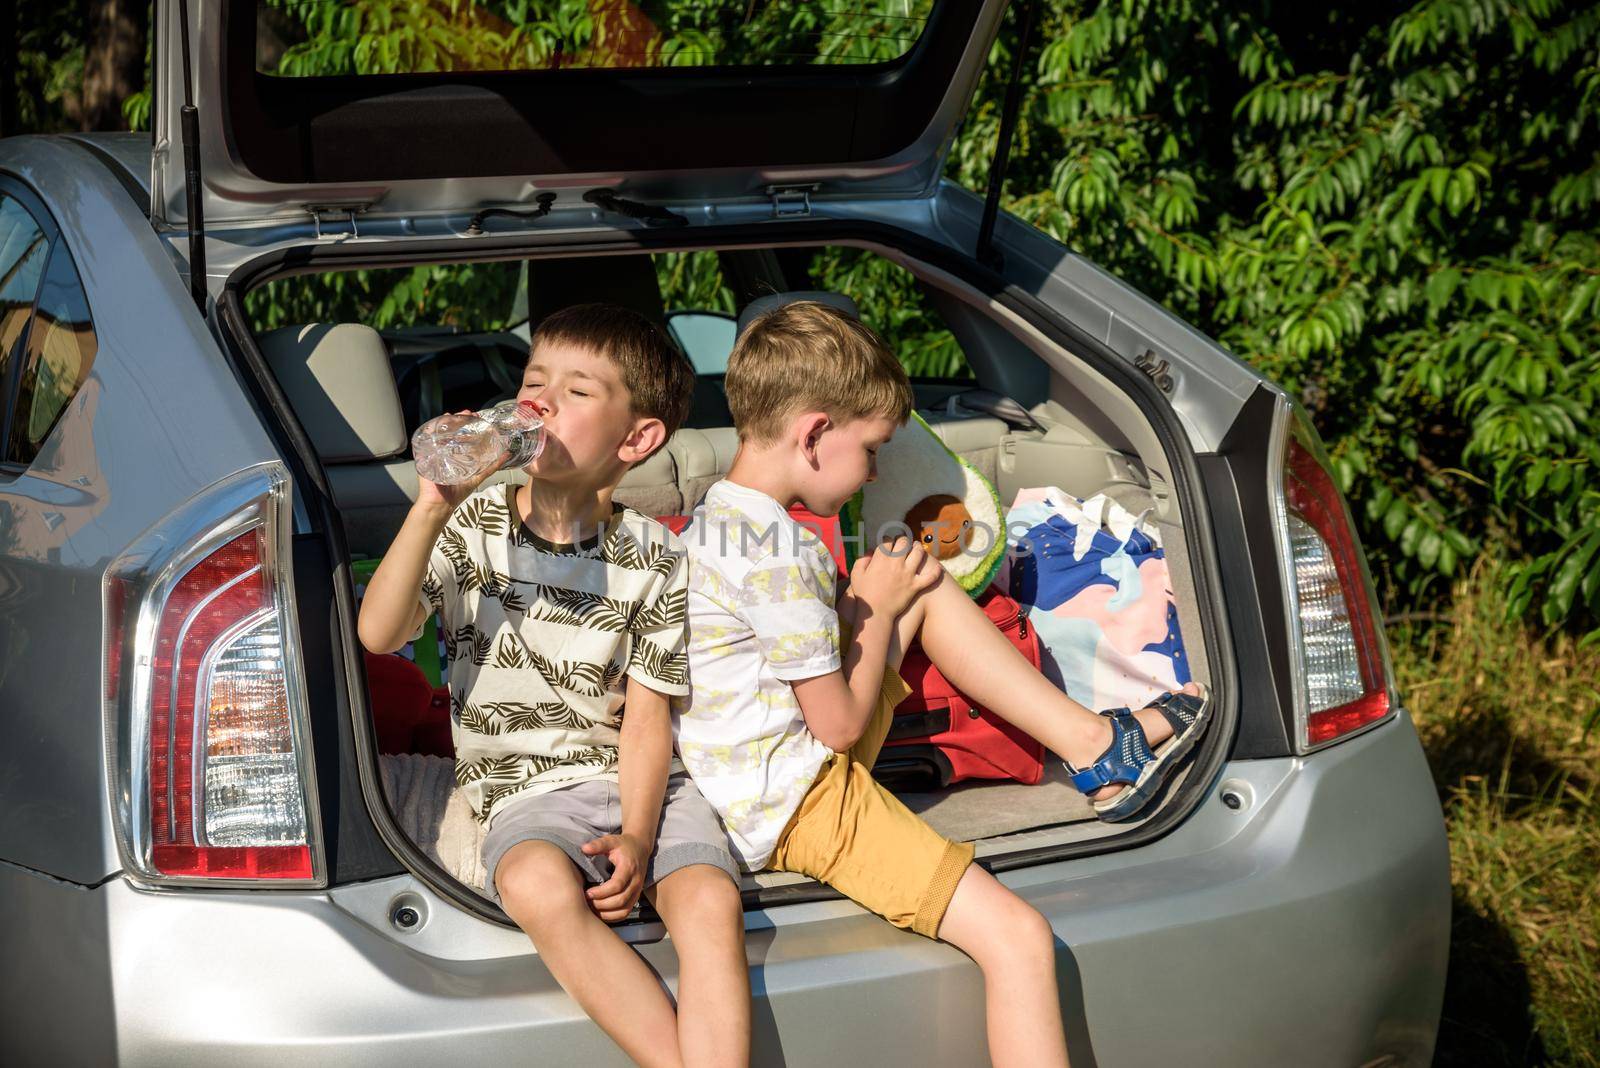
(1130, 761)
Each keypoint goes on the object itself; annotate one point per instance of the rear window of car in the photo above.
(315, 38)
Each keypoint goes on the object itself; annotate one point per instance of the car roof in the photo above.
(127, 155)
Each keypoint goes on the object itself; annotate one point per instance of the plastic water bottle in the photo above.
(460, 447)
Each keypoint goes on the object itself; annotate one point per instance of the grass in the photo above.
(1502, 710)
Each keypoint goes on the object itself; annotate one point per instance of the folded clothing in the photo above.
(1093, 579)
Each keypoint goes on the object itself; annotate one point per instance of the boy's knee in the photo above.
(1026, 935)
(1015, 930)
(702, 887)
(704, 897)
(1031, 928)
(538, 886)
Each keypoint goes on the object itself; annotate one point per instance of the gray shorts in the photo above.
(687, 833)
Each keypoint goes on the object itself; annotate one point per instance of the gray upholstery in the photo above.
(339, 383)
(976, 439)
(762, 305)
(703, 456)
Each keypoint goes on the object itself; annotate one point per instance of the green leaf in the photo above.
(1565, 585)
(1428, 549)
(1395, 520)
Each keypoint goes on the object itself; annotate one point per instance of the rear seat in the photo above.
(338, 380)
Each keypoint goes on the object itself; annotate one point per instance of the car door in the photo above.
(48, 465)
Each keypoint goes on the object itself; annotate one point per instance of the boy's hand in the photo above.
(433, 496)
(890, 579)
(613, 899)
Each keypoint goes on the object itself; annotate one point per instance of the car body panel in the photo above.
(160, 417)
(1310, 926)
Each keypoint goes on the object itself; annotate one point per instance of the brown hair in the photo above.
(658, 377)
(805, 357)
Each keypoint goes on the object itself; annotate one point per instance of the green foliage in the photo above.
(389, 36)
(692, 281)
(1507, 717)
(1392, 215)
(48, 55)
(892, 304)
(469, 298)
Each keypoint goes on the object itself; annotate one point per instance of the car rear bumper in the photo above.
(1310, 926)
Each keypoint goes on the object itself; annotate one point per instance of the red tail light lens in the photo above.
(208, 703)
(1343, 685)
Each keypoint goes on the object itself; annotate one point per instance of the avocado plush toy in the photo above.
(948, 507)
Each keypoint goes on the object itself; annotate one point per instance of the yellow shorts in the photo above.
(857, 837)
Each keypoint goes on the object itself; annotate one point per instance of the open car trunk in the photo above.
(1002, 817)
(1087, 437)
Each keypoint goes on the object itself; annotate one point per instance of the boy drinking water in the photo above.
(565, 619)
(794, 686)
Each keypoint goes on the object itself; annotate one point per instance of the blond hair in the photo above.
(809, 357)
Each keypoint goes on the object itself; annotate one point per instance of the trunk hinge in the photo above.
(336, 213)
(985, 252)
(791, 201)
(189, 131)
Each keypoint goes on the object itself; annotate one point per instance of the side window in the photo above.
(23, 248)
(60, 351)
(894, 304)
(699, 307)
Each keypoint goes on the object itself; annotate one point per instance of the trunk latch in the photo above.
(791, 201)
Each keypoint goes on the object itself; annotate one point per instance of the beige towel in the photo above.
(432, 812)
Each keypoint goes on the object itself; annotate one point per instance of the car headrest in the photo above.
(761, 305)
(628, 281)
(338, 379)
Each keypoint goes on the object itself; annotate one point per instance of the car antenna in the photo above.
(190, 133)
(985, 252)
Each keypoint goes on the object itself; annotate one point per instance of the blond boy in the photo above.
(794, 684)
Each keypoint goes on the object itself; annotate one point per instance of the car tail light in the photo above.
(204, 687)
(1341, 677)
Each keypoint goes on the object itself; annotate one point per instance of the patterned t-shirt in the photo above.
(540, 638)
(761, 616)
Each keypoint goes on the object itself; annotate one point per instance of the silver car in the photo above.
(204, 857)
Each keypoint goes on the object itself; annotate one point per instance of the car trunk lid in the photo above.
(295, 114)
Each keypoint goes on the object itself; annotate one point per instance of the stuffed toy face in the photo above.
(942, 525)
(925, 490)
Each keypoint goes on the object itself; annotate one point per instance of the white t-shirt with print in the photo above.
(761, 616)
(541, 639)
